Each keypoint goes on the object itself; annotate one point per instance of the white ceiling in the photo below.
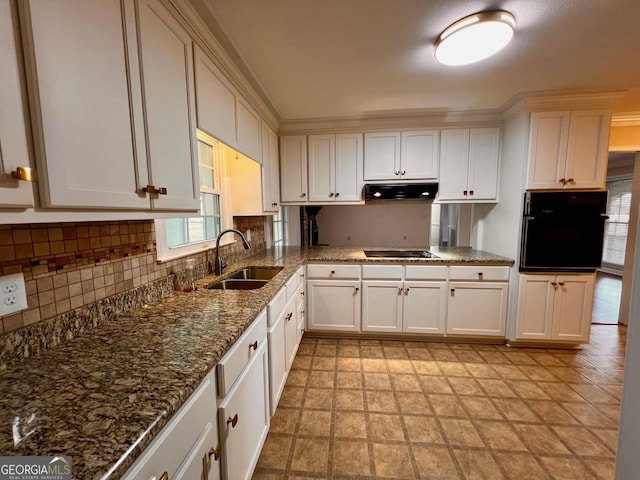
(337, 58)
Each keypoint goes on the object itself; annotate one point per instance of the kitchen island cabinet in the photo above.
(112, 112)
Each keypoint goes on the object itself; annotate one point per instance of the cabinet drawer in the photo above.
(478, 272)
(168, 450)
(235, 360)
(276, 306)
(198, 464)
(425, 272)
(293, 282)
(334, 271)
(382, 272)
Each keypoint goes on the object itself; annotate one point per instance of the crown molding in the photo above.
(571, 101)
(626, 120)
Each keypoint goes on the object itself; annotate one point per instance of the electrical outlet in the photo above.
(13, 295)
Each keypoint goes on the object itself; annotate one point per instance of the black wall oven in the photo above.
(562, 231)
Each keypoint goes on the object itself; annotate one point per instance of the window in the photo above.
(184, 235)
(278, 229)
(616, 228)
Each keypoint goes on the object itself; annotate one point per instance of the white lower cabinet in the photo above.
(424, 307)
(477, 308)
(555, 307)
(333, 305)
(277, 360)
(382, 305)
(184, 447)
(243, 413)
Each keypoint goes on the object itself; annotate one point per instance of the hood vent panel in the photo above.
(400, 191)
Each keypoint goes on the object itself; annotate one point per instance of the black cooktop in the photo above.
(399, 254)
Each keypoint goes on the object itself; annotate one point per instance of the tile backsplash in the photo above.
(67, 266)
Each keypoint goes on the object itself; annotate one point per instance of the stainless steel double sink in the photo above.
(248, 278)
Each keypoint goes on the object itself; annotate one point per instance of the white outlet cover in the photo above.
(13, 294)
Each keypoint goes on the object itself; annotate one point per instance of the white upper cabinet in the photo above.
(293, 169)
(167, 79)
(469, 163)
(103, 130)
(14, 146)
(407, 155)
(215, 100)
(568, 149)
(335, 168)
(270, 171)
(248, 130)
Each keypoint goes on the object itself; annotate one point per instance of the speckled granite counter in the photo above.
(102, 397)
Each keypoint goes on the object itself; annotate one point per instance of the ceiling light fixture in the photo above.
(475, 38)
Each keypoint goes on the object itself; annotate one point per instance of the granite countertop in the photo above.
(103, 396)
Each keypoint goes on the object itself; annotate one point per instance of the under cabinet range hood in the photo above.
(400, 191)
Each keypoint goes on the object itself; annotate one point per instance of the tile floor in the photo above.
(368, 409)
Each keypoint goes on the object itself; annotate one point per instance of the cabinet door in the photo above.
(477, 308)
(484, 155)
(419, 155)
(291, 330)
(348, 168)
(382, 306)
(333, 305)
(215, 100)
(14, 146)
(83, 91)
(382, 156)
(277, 361)
(548, 139)
(248, 130)
(535, 306)
(454, 164)
(424, 309)
(198, 463)
(587, 151)
(167, 66)
(243, 419)
(270, 174)
(293, 169)
(322, 150)
(572, 307)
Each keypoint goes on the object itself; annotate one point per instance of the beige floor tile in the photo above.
(538, 373)
(465, 386)
(320, 398)
(381, 401)
(551, 412)
(478, 465)
(540, 440)
(582, 441)
(434, 463)
(454, 369)
(435, 385)
(460, 432)
(384, 427)
(392, 461)
(400, 366)
(515, 410)
(520, 358)
(395, 352)
(481, 370)
(367, 351)
(350, 425)
(603, 469)
(426, 367)
(323, 363)
(521, 466)
(291, 397)
(326, 350)
(561, 392)
(310, 455)
(499, 435)
(377, 381)
(349, 380)
(370, 342)
(260, 474)
(608, 436)
(413, 402)
(510, 372)
(495, 358)
(349, 351)
(548, 359)
(496, 388)
(447, 405)
(469, 356)
(591, 416)
(480, 407)
(275, 452)
(284, 420)
(566, 468)
(422, 428)
(528, 390)
(444, 355)
(315, 422)
(306, 349)
(405, 382)
(302, 362)
(351, 458)
(349, 400)
(298, 378)
(419, 354)
(374, 365)
(348, 364)
(321, 379)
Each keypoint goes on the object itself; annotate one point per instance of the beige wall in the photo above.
(624, 138)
